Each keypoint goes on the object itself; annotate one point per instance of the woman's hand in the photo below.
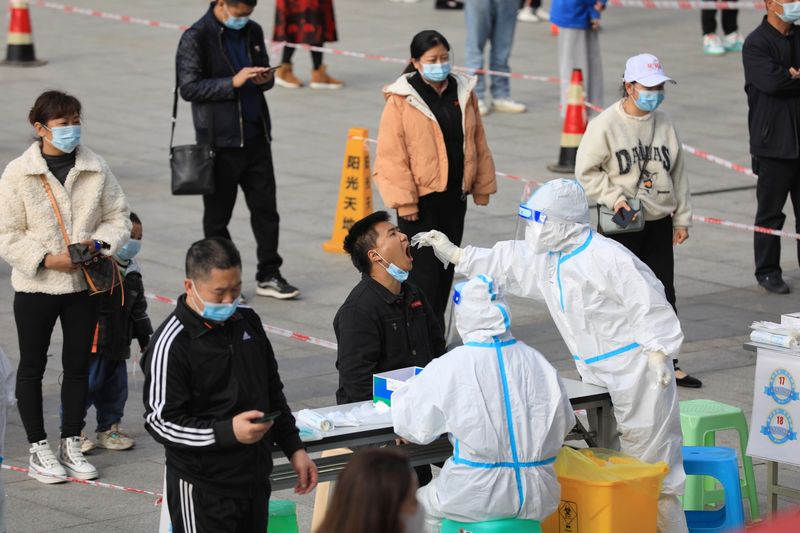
(480, 201)
(60, 262)
(679, 235)
(411, 218)
(623, 204)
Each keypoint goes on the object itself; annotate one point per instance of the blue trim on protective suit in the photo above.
(607, 355)
(501, 464)
(563, 259)
(502, 344)
(490, 283)
(506, 318)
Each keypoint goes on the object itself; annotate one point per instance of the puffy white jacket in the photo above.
(91, 202)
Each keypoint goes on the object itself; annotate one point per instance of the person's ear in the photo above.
(187, 284)
(416, 63)
(41, 131)
(630, 88)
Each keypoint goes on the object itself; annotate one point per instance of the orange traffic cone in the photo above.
(574, 126)
(355, 191)
(20, 38)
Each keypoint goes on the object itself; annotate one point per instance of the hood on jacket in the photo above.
(402, 87)
(32, 162)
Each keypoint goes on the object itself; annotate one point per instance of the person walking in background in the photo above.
(578, 23)
(308, 22)
(731, 41)
(492, 21)
(632, 151)
(772, 84)
(123, 317)
(532, 11)
(48, 285)
(432, 153)
(223, 70)
(376, 492)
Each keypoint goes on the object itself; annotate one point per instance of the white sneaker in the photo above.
(527, 14)
(86, 443)
(43, 465)
(542, 13)
(733, 42)
(71, 457)
(712, 44)
(114, 439)
(483, 109)
(507, 105)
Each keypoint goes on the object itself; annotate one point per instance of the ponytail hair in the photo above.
(421, 43)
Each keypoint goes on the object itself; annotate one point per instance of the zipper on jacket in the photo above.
(238, 97)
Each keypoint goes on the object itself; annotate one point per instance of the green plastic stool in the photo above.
(700, 420)
(282, 517)
(507, 525)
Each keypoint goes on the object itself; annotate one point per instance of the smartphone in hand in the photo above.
(623, 217)
(269, 417)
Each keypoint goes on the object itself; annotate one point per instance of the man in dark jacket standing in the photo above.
(223, 70)
(385, 323)
(210, 379)
(771, 57)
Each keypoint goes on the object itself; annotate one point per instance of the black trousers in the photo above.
(36, 315)
(194, 510)
(251, 168)
(653, 245)
(708, 20)
(443, 211)
(777, 179)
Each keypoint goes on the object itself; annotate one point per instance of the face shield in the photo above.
(480, 311)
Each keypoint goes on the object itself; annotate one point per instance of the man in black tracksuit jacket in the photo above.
(206, 382)
(221, 70)
(771, 57)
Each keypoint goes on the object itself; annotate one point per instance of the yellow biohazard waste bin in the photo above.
(605, 491)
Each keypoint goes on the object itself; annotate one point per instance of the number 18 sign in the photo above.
(775, 421)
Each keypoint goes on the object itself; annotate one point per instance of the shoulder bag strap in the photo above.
(646, 159)
(56, 210)
(175, 92)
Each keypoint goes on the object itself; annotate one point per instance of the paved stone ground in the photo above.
(123, 74)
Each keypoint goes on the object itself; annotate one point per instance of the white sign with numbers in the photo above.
(775, 422)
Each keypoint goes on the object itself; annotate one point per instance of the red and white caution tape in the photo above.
(289, 334)
(99, 484)
(687, 5)
(702, 154)
(109, 16)
(746, 227)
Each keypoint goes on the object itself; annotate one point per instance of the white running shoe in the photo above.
(43, 465)
(733, 42)
(483, 109)
(712, 44)
(527, 14)
(542, 13)
(71, 457)
(507, 105)
(114, 439)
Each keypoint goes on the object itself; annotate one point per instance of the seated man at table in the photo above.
(505, 409)
(385, 323)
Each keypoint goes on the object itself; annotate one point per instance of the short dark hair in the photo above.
(53, 104)
(208, 254)
(361, 239)
(251, 3)
(422, 42)
(135, 219)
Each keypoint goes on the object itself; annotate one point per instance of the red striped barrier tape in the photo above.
(289, 334)
(685, 5)
(99, 484)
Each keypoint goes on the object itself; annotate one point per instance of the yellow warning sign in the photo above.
(355, 191)
(568, 517)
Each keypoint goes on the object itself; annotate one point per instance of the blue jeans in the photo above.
(108, 391)
(493, 21)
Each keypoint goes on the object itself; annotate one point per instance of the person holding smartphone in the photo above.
(632, 151)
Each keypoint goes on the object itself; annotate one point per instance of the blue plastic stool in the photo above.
(721, 464)
(506, 525)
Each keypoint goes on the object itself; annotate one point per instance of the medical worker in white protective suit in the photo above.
(612, 313)
(505, 409)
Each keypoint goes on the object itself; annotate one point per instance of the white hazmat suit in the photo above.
(506, 412)
(611, 312)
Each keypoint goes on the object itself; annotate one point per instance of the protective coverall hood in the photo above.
(480, 311)
(556, 214)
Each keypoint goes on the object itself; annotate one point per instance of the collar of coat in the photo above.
(33, 163)
(401, 87)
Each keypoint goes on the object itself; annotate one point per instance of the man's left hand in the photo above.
(679, 235)
(264, 77)
(306, 472)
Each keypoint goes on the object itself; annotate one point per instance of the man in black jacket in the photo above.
(385, 323)
(771, 57)
(223, 70)
(210, 378)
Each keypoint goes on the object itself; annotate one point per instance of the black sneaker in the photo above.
(277, 287)
(774, 283)
(449, 4)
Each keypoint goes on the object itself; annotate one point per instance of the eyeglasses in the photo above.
(531, 214)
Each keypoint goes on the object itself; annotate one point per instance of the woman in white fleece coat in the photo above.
(632, 150)
(47, 286)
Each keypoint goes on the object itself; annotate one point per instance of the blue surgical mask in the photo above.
(649, 100)
(129, 250)
(791, 12)
(236, 23)
(216, 312)
(65, 138)
(395, 271)
(435, 72)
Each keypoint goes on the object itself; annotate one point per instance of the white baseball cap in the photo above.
(645, 69)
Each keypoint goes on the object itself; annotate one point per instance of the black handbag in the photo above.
(192, 165)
